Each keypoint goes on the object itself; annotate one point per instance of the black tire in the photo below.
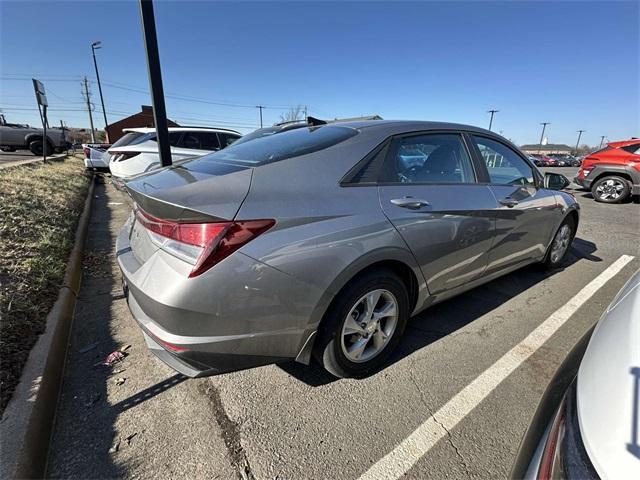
(611, 189)
(36, 148)
(328, 350)
(551, 261)
(8, 149)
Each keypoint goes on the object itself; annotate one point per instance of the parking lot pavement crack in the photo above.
(439, 423)
(230, 431)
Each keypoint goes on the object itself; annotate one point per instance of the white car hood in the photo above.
(608, 393)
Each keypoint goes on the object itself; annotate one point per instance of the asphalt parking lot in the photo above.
(17, 157)
(140, 419)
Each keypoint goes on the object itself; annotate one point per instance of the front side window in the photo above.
(505, 166)
(429, 158)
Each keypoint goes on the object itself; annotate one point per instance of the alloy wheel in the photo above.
(369, 326)
(610, 189)
(560, 243)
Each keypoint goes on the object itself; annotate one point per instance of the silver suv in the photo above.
(321, 242)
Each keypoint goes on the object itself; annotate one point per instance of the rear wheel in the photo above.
(561, 243)
(610, 189)
(363, 325)
(36, 148)
(8, 149)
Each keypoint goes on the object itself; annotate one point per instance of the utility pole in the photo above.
(87, 97)
(602, 137)
(94, 47)
(578, 142)
(260, 107)
(544, 127)
(492, 112)
(305, 112)
(155, 81)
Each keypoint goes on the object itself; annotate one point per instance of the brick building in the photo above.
(144, 118)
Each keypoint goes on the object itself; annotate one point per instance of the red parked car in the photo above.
(612, 173)
(544, 161)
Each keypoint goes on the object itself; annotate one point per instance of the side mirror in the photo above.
(555, 181)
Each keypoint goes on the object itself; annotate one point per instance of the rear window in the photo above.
(274, 148)
(128, 139)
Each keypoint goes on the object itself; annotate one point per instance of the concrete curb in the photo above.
(18, 163)
(27, 422)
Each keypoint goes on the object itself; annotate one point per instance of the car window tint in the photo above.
(505, 166)
(273, 148)
(429, 158)
(174, 138)
(201, 141)
(227, 139)
(634, 148)
(127, 139)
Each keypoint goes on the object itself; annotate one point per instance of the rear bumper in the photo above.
(239, 314)
(96, 164)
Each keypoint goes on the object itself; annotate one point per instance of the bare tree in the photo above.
(293, 114)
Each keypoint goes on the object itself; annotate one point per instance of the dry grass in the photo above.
(39, 209)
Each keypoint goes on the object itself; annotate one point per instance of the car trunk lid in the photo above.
(187, 193)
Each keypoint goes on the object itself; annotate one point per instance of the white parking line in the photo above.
(397, 462)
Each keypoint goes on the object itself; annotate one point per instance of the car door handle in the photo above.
(410, 202)
(509, 202)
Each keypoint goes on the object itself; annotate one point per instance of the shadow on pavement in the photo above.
(83, 401)
(148, 393)
(445, 318)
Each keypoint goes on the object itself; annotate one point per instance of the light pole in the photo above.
(94, 47)
(602, 137)
(492, 112)
(544, 127)
(578, 142)
(155, 81)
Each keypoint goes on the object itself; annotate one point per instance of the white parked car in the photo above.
(587, 424)
(138, 152)
(94, 156)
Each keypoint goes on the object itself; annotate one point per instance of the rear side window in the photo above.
(227, 139)
(174, 138)
(634, 149)
(201, 141)
(429, 158)
(274, 148)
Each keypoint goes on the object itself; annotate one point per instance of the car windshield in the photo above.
(273, 148)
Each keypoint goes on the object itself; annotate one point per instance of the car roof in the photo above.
(399, 126)
(181, 129)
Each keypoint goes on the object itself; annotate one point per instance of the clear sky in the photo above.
(574, 64)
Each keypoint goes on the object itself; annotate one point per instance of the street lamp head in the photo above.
(96, 45)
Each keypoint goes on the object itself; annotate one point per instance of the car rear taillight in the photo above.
(564, 455)
(87, 152)
(201, 244)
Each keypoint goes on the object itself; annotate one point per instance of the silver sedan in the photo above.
(321, 242)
